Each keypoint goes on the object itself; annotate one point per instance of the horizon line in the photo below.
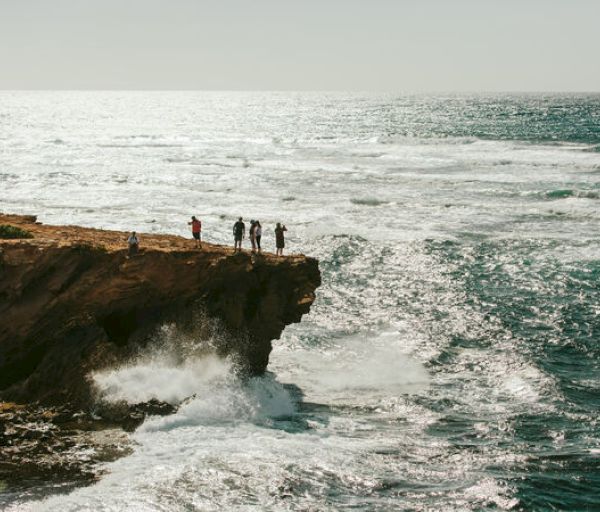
(346, 91)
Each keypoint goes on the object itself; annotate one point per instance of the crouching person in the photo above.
(134, 244)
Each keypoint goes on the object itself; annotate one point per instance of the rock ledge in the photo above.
(71, 302)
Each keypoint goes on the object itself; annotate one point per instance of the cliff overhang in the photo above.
(72, 302)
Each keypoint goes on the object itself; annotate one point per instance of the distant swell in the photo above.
(566, 193)
(368, 201)
(157, 145)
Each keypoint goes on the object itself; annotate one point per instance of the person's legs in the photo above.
(258, 242)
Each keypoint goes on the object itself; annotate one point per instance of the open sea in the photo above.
(451, 359)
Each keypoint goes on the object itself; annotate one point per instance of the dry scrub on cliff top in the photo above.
(9, 232)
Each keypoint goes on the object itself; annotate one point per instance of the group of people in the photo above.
(239, 233)
(255, 232)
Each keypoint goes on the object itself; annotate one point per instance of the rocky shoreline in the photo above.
(54, 445)
(61, 446)
(72, 303)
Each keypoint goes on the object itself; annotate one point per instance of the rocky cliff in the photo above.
(71, 301)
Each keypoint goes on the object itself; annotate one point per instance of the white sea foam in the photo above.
(377, 366)
(160, 379)
(260, 399)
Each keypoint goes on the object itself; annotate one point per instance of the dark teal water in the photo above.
(536, 118)
(551, 313)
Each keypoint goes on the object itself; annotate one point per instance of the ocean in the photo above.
(451, 359)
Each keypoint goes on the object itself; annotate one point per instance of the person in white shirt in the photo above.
(134, 243)
(257, 234)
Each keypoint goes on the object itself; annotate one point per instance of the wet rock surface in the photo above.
(56, 445)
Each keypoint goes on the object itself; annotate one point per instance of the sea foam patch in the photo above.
(160, 379)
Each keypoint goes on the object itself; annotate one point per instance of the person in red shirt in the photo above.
(196, 230)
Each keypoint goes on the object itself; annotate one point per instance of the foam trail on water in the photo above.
(381, 368)
(380, 365)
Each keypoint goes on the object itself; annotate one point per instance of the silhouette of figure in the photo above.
(279, 239)
(252, 234)
(239, 231)
(258, 234)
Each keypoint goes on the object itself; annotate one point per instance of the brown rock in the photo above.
(71, 301)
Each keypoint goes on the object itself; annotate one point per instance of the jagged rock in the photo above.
(71, 301)
(155, 407)
(33, 447)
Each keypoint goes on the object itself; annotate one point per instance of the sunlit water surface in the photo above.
(450, 361)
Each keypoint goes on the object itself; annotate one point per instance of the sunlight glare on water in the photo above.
(450, 361)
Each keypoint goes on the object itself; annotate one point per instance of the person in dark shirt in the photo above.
(279, 239)
(252, 234)
(239, 231)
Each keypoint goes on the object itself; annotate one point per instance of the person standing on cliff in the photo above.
(252, 234)
(134, 244)
(196, 231)
(258, 234)
(279, 239)
(239, 231)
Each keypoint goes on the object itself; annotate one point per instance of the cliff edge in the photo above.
(71, 302)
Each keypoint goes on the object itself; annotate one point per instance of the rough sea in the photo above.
(451, 359)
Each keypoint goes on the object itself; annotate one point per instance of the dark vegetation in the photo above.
(8, 232)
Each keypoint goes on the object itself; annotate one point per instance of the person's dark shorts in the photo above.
(196, 235)
(238, 238)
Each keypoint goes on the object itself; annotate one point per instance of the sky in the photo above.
(381, 45)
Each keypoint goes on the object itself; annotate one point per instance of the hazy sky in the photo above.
(396, 45)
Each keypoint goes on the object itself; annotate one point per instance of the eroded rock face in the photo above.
(71, 301)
